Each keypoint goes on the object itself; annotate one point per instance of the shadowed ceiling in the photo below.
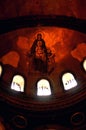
(16, 8)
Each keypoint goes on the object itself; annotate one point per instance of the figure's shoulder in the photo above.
(43, 40)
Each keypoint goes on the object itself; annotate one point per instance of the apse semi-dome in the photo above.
(42, 70)
(43, 60)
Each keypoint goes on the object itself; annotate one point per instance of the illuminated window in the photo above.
(0, 70)
(18, 83)
(69, 81)
(43, 88)
(84, 64)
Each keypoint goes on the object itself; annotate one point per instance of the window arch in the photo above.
(68, 81)
(18, 83)
(43, 88)
(1, 69)
(84, 64)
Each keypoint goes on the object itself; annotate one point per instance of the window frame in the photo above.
(74, 75)
(1, 64)
(23, 79)
(51, 90)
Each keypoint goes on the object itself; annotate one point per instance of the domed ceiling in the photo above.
(43, 54)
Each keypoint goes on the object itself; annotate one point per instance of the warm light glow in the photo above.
(2, 127)
(0, 70)
(11, 58)
(18, 83)
(84, 64)
(43, 88)
(68, 81)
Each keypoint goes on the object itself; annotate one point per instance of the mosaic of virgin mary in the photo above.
(40, 54)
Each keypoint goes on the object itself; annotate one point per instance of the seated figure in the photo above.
(38, 52)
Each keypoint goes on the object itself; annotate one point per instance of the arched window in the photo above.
(18, 83)
(43, 88)
(1, 70)
(68, 81)
(84, 64)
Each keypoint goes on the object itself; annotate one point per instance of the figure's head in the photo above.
(39, 36)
